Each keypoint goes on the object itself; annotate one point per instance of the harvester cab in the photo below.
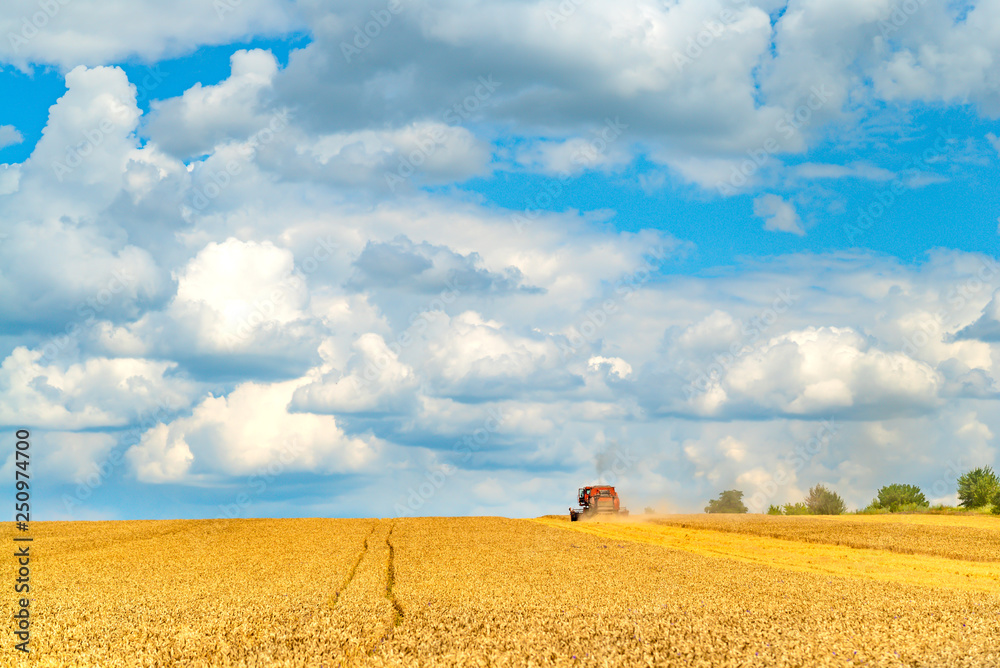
(598, 500)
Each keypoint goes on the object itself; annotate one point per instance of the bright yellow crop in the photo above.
(972, 538)
(486, 591)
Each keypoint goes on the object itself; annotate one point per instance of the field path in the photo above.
(805, 557)
(364, 605)
(354, 569)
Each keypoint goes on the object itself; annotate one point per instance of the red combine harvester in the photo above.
(595, 501)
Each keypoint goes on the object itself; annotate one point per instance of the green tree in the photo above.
(996, 503)
(823, 501)
(773, 510)
(977, 487)
(894, 496)
(796, 509)
(730, 501)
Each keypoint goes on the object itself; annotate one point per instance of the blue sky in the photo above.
(256, 263)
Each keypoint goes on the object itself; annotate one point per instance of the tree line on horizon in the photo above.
(977, 489)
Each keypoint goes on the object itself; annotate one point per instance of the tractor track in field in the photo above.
(374, 557)
(354, 568)
(390, 581)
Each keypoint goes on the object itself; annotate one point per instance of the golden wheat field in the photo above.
(677, 591)
(972, 537)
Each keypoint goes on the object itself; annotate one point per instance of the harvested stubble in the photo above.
(463, 591)
(806, 557)
(966, 538)
(482, 590)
